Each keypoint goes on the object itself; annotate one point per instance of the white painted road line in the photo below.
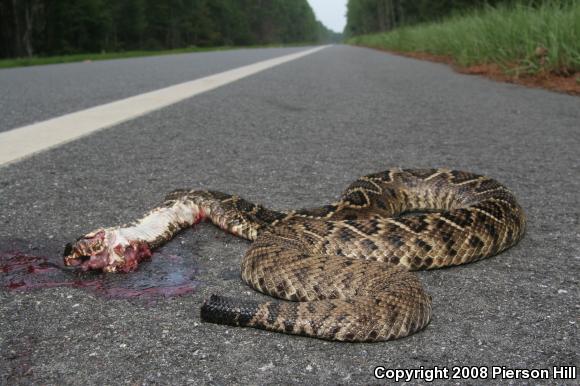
(26, 140)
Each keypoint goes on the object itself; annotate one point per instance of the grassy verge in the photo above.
(520, 39)
(36, 61)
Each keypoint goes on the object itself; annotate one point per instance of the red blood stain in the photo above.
(162, 276)
(199, 217)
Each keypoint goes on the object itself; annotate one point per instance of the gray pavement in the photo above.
(32, 94)
(295, 136)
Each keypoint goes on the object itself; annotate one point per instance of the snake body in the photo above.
(342, 271)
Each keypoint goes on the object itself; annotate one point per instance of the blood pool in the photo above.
(164, 276)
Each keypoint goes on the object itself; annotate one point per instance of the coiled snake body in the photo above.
(343, 268)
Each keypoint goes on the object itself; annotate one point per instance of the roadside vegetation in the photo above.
(522, 39)
(47, 31)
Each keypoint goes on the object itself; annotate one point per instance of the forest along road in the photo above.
(290, 136)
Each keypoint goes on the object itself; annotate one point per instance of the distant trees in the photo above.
(48, 27)
(327, 36)
(368, 16)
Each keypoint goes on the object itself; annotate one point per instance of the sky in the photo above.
(332, 13)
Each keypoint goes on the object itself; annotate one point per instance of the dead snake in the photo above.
(344, 267)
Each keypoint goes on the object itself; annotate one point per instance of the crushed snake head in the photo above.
(106, 250)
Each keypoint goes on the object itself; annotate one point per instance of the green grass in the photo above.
(520, 39)
(36, 61)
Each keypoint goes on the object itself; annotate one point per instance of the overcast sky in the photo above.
(332, 13)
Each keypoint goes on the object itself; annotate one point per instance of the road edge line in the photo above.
(21, 142)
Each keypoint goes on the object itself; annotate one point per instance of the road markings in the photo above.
(24, 141)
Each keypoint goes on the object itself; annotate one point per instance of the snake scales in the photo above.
(343, 267)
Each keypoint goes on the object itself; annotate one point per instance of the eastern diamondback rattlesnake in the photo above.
(343, 267)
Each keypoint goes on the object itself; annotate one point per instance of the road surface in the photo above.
(291, 136)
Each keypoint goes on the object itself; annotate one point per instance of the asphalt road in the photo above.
(291, 136)
(37, 93)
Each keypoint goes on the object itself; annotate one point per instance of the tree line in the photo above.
(369, 16)
(56, 27)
